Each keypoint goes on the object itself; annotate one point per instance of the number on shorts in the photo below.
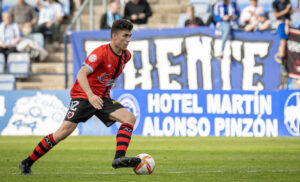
(73, 105)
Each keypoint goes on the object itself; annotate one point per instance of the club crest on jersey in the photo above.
(92, 58)
(104, 79)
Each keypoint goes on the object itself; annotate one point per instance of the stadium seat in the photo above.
(36, 37)
(7, 82)
(2, 63)
(66, 5)
(19, 64)
(7, 4)
(201, 8)
(272, 18)
(295, 19)
(181, 19)
(295, 4)
(204, 16)
(32, 3)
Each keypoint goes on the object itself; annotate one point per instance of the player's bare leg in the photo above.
(47, 143)
(127, 120)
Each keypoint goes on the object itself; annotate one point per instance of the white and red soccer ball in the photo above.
(146, 166)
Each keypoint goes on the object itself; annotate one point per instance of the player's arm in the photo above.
(95, 100)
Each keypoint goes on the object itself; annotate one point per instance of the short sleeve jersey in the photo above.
(106, 66)
(279, 5)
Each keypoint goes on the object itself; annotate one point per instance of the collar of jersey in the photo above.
(114, 52)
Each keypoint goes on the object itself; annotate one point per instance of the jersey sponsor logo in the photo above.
(92, 58)
(131, 103)
(104, 79)
(292, 114)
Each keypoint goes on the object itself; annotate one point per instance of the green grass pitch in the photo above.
(88, 158)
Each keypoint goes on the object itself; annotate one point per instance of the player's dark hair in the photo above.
(121, 25)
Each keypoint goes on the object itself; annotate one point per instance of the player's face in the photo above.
(123, 38)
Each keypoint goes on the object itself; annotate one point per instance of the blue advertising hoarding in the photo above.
(187, 58)
(162, 113)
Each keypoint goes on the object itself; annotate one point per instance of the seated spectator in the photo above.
(11, 40)
(249, 16)
(138, 12)
(211, 20)
(33, 48)
(192, 21)
(225, 16)
(262, 24)
(50, 18)
(10, 35)
(111, 15)
(24, 15)
(236, 7)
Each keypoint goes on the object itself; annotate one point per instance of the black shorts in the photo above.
(81, 110)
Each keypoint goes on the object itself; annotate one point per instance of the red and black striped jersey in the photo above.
(106, 66)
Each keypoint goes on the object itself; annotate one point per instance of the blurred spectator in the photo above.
(50, 18)
(24, 15)
(282, 10)
(263, 23)
(33, 48)
(236, 7)
(111, 15)
(138, 12)
(192, 21)
(10, 35)
(249, 15)
(211, 19)
(225, 16)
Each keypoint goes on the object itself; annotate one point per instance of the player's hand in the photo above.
(96, 101)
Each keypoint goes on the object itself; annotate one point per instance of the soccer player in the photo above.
(91, 96)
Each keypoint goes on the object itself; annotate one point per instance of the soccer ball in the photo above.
(146, 166)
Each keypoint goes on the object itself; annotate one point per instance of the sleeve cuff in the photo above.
(88, 66)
